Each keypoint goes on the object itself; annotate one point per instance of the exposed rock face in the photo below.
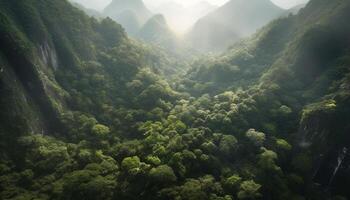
(48, 55)
(325, 131)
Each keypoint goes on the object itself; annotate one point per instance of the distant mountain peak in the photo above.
(297, 8)
(157, 31)
(157, 24)
(137, 6)
(130, 13)
(158, 18)
(128, 3)
(233, 20)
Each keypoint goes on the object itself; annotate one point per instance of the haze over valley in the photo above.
(174, 100)
(182, 14)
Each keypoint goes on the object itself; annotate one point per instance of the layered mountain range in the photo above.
(205, 27)
(132, 14)
(88, 113)
(231, 22)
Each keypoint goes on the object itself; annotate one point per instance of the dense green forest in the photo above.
(88, 113)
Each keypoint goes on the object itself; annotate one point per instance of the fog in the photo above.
(185, 3)
(286, 4)
(182, 14)
(100, 4)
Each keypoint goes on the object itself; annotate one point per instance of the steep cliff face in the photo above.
(121, 131)
(51, 55)
(324, 135)
(31, 62)
(317, 59)
(35, 48)
(30, 102)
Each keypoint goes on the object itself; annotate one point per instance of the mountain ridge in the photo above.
(156, 31)
(132, 14)
(236, 19)
(88, 113)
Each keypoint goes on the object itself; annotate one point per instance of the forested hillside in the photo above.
(231, 22)
(88, 113)
(157, 32)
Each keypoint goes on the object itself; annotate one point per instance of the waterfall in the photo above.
(48, 55)
(340, 160)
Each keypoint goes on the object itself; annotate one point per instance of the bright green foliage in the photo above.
(267, 160)
(228, 144)
(153, 160)
(89, 113)
(191, 190)
(131, 164)
(284, 145)
(249, 190)
(162, 174)
(233, 183)
(256, 137)
(326, 106)
(100, 130)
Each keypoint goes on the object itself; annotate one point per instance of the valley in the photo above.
(119, 107)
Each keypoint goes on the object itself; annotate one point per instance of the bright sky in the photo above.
(288, 3)
(100, 4)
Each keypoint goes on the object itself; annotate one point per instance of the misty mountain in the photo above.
(86, 113)
(302, 62)
(156, 31)
(181, 18)
(90, 12)
(155, 26)
(131, 14)
(202, 8)
(294, 10)
(231, 22)
(139, 22)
